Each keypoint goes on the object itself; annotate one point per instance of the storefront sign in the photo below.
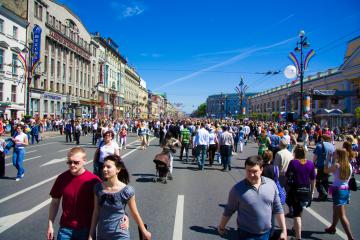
(37, 44)
(52, 97)
(66, 42)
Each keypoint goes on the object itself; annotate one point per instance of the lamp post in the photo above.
(241, 90)
(300, 45)
(27, 72)
(299, 49)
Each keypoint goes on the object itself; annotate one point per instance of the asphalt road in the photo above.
(189, 207)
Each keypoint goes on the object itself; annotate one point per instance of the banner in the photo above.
(36, 45)
(307, 104)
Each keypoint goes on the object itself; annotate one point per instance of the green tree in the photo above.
(201, 110)
(357, 113)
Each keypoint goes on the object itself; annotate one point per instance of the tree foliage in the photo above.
(357, 113)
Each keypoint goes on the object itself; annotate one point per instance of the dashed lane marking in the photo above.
(24, 160)
(179, 216)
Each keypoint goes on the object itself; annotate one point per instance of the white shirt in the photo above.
(106, 150)
(202, 137)
(21, 138)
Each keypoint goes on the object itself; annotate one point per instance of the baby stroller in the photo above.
(162, 163)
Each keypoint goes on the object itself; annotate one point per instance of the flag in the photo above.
(309, 55)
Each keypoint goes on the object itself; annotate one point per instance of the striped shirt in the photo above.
(185, 135)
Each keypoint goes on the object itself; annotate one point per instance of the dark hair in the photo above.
(109, 132)
(123, 175)
(254, 160)
(267, 156)
(299, 152)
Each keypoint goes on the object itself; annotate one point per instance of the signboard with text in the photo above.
(37, 44)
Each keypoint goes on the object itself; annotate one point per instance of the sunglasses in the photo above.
(73, 162)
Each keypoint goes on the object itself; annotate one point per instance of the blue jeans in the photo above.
(201, 149)
(226, 152)
(251, 236)
(72, 234)
(34, 137)
(17, 159)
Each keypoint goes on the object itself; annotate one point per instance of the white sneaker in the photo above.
(17, 179)
(124, 147)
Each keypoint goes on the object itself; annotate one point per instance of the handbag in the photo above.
(352, 183)
(282, 192)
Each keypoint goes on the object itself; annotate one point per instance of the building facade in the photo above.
(226, 105)
(132, 93)
(12, 78)
(143, 100)
(62, 85)
(112, 70)
(337, 88)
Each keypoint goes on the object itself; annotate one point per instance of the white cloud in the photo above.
(244, 54)
(153, 55)
(127, 8)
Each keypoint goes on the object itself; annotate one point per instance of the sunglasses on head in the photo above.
(69, 162)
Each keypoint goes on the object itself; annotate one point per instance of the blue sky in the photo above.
(192, 49)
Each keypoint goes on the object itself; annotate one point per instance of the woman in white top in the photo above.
(20, 140)
(107, 147)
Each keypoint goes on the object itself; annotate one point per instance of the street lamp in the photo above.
(241, 90)
(300, 45)
(303, 43)
(27, 72)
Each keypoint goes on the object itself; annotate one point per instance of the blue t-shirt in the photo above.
(322, 155)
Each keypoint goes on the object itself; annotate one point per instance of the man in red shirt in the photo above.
(75, 187)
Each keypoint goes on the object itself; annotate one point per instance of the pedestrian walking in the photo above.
(339, 190)
(323, 152)
(201, 144)
(106, 147)
(2, 157)
(255, 199)
(111, 198)
(123, 137)
(74, 188)
(20, 140)
(301, 176)
(226, 146)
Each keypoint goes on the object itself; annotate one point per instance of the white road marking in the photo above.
(325, 222)
(10, 156)
(25, 160)
(179, 216)
(54, 161)
(40, 145)
(66, 149)
(11, 196)
(10, 220)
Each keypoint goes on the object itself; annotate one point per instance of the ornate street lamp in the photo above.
(300, 45)
(241, 91)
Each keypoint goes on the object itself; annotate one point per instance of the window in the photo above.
(45, 64)
(1, 26)
(70, 74)
(15, 32)
(13, 93)
(1, 91)
(58, 69)
(14, 64)
(46, 106)
(1, 59)
(64, 71)
(52, 67)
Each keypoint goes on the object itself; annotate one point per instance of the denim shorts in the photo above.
(341, 197)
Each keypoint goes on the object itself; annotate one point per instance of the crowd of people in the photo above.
(280, 174)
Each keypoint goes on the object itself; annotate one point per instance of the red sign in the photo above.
(66, 42)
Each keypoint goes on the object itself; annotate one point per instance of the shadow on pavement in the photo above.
(145, 179)
(143, 174)
(7, 178)
(230, 232)
(308, 235)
